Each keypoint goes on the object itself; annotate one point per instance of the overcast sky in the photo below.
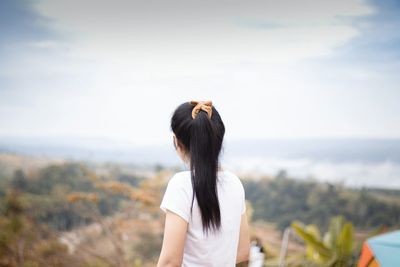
(273, 69)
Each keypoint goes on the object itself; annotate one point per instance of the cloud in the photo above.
(19, 22)
(114, 66)
(191, 36)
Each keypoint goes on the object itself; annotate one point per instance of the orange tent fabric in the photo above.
(367, 258)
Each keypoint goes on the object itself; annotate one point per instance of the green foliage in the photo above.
(283, 200)
(334, 249)
(46, 192)
(35, 206)
(25, 243)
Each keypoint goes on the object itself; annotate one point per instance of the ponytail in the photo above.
(203, 167)
(202, 138)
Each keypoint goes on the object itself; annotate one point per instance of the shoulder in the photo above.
(180, 179)
(233, 176)
(235, 180)
(177, 196)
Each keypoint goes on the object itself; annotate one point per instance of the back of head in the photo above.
(202, 137)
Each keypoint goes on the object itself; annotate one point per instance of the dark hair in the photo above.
(202, 139)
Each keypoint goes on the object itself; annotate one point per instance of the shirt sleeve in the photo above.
(176, 198)
(243, 200)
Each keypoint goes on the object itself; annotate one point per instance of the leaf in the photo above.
(332, 262)
(345, 240)
(335, 227)
(311, 240)
(327, 240)
(314, 231)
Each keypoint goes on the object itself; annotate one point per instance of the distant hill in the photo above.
(90, 149)
(104, 149)
(335, 150)
(355, 162)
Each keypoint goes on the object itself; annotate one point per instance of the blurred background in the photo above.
(308, 91)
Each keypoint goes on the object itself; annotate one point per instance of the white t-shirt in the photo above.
(216, 249)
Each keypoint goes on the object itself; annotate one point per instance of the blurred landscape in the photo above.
(91, 206)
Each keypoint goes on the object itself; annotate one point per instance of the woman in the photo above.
(205, 223)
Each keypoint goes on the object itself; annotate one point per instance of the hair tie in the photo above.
(201, 105)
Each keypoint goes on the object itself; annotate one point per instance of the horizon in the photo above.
(352, 162)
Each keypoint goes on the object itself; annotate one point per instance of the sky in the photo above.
(273, 69)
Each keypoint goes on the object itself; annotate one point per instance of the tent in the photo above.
(381, 251)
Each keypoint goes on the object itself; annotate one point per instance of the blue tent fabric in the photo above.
(386, 248)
